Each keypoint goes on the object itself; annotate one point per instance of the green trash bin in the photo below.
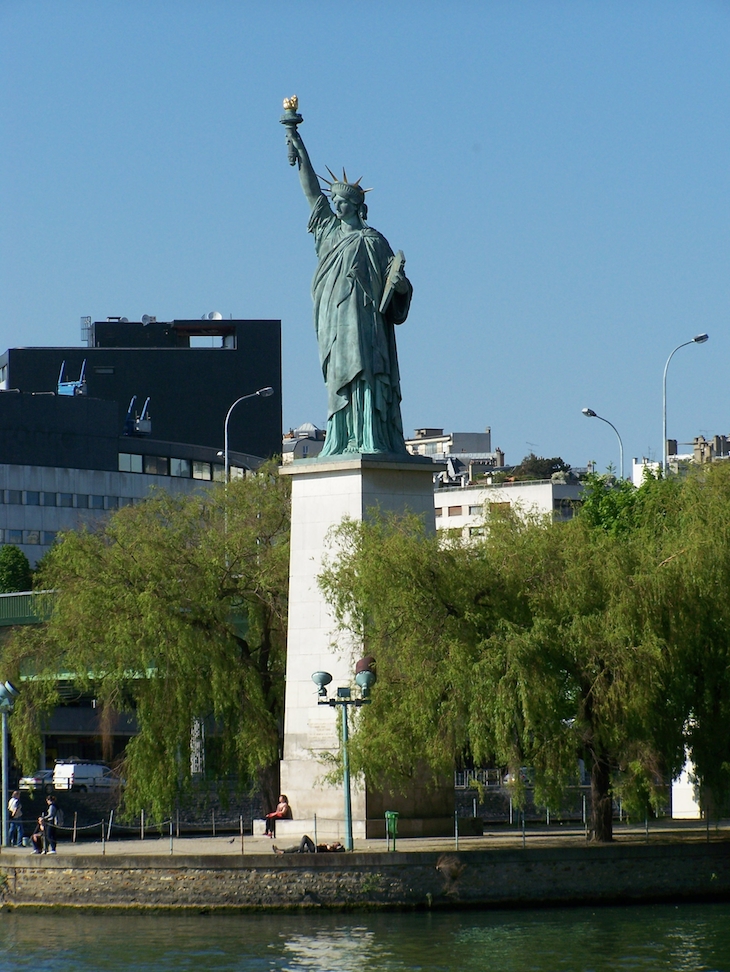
(391, 826)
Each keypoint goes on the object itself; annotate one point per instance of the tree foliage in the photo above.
(174, 611)
(15, 572)
(605, 638)
(537, 467)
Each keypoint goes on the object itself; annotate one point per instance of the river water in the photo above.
(687, 938)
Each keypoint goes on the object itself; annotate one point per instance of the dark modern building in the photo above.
(191, 371)
(86, 430)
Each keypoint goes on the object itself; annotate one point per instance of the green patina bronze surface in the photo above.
(360, 293)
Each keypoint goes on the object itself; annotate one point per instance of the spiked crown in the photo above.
(343, 187)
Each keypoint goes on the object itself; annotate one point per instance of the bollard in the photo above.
(391, 827)
(474, 807)
(76, 817)
(103, 842)
(141, 824)
(213, 819)
(456, 830)
(547, 816)
(170, 834)
(109, 831)
(177, 823)
(240, 820)
(315, 834)
(523, 829)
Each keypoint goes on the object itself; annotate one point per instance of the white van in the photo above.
(83, 775)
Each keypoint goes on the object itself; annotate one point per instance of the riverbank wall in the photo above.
(492, 878)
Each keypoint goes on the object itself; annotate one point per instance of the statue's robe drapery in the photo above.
(356, 342)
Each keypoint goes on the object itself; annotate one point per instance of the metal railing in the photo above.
(26, 607)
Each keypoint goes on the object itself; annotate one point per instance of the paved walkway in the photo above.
(659, 833)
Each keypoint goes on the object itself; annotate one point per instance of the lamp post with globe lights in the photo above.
(365, 679)
(8, 695)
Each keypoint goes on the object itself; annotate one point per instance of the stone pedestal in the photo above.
(324, 492)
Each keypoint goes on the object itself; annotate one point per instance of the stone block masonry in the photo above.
(398, 880)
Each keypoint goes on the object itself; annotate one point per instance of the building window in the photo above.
(476, 531)
(2, 536)
(32, 497)
(563, 509)
(130, 462)
(125, 501)
(13, 496)
(438, 511)
(181, 468)
(13, 536)
(219, 473)
(476, 510)
(236, 472)
(49, 499)
(66, 499)
(156, 465)
(96, 502)
(112, 502)
(201, 470)
(82, 501)
(48, 537)
(499, 509)
(455, 510)
(31, 536)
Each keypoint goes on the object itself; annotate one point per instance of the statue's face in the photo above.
(343, 206)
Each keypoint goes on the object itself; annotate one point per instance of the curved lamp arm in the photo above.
(261, 393)
(697, 339)
(589, 413)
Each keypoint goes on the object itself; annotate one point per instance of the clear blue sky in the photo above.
(556, 172)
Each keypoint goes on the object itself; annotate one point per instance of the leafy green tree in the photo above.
(15, 572)
(534, 647)
(175, 611)
(536, 467)
(688, 523)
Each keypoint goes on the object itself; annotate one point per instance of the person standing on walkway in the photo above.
(15, 814)
(50, 822)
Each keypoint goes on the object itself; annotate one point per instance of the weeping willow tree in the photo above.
(605, 638)
(175, 611)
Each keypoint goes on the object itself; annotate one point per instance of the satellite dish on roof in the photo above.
(146, 318)
(124, 320)
(215, 316)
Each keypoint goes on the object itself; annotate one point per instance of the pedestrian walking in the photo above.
(15, 815)
(50, 822)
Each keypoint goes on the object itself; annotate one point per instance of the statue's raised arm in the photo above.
(360, 291)
(297, 151)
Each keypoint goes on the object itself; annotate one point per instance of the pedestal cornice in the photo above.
(360, 462)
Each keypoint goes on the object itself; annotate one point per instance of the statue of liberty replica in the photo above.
(360, 293)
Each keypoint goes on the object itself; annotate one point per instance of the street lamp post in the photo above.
(697, 339)
(261, 393)
(8, 695)
(589, 413)
(365, 679)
